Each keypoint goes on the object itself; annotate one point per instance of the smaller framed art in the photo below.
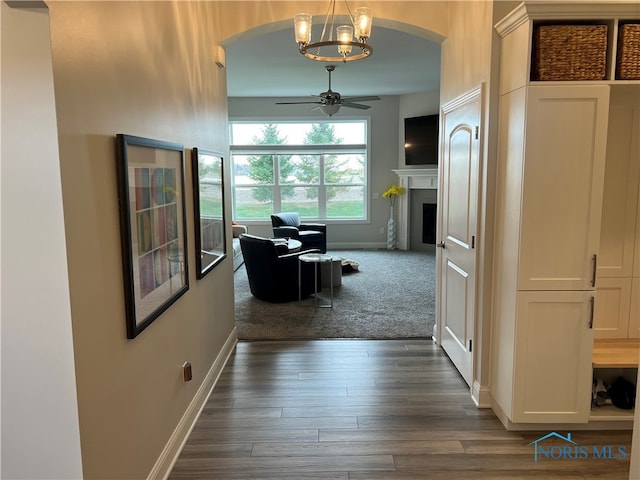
(151, 196)
(208, 206)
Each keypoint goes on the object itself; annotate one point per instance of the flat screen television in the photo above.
(421, 140)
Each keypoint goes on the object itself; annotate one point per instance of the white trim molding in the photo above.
(481, 395)
(172, 449)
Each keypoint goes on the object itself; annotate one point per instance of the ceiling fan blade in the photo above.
(355, 105)
(361, 99)
(296, 103)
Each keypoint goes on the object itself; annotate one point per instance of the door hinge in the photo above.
(477, 132)
(473, 241)
(470, 346)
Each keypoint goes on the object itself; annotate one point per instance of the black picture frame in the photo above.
(151, 195)
(209, 207)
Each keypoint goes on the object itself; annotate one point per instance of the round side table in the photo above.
(315, 258)
(292, 244)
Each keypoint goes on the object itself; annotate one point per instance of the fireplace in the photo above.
(416, 213)
(422, 218)
(429, 215)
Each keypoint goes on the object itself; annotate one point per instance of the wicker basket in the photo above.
(569, 52)
(628, 61)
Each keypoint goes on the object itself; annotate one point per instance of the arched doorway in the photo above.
(263, 66)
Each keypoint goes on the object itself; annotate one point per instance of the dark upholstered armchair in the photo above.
(312, 235)
(273, 273)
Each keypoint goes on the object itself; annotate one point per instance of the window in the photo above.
(317, 169)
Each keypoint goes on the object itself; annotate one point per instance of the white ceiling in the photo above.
(269, 65)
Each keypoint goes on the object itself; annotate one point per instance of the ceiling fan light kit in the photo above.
(348, 37)
(329, 109)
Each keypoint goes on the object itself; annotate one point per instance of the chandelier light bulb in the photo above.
(362, 22)
(302, 28)
(344, 34)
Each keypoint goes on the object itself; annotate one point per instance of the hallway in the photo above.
(364, 409)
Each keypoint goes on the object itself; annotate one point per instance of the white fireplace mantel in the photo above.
(411, 179)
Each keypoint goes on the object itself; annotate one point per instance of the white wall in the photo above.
(40, 433)
(469, 58)
(139, 68)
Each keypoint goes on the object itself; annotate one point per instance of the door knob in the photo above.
(441, 245)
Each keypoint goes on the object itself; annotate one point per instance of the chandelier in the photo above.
(348, 37)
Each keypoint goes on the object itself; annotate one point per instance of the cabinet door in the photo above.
(554, 342)
(565, 150)
(611, 317)
(615, 258)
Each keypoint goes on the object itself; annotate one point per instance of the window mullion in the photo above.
(322, 194)
(277, 198)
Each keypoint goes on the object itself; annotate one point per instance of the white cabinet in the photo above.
(634, 309)
(563, 173)
(550, 179)
(617, 299)
(622, 174)
(636, 257)
(552, 151)
(611, 319)
(552, 370)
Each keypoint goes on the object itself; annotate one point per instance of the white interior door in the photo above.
(458, 197)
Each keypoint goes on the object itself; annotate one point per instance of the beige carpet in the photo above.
(392, 295)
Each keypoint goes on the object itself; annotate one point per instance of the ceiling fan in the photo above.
(329, 102)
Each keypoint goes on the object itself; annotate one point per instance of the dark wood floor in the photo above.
(373, 410)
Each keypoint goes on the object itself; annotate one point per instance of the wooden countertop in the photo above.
(616, 352)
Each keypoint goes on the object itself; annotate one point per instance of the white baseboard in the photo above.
(172, 449)
(356, 246)
(481, 396)
(549, 427)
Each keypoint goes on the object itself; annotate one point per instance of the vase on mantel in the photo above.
(391, 231)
